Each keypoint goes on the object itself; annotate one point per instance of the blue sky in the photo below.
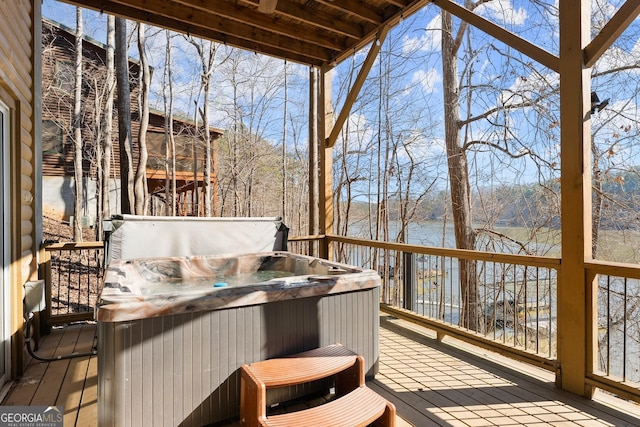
(416, 82)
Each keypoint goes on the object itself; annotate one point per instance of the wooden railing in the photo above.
(515, 305)
(73, 276)
(305, 245)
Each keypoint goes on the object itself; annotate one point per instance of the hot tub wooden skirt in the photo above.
(183, 369)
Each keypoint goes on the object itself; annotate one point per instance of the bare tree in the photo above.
(206, 53)
(77, 132)
(170, 142)
(254, 88)
(458, 170)
(127, 197)
(140, 183)
(106, 149)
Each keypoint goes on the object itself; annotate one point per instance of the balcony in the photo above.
(434, 370)
(431, 382)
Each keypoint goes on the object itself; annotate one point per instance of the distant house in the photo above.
(57, 134)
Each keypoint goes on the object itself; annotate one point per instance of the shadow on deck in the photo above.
(431, 383)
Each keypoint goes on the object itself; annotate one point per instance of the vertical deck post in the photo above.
(314, 123)
(409, 294)
(575, 182)
(326, 162)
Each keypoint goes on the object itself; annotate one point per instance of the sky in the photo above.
(416, 82)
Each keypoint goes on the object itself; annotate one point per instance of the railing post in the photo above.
(409, 294)
(576, 201)
(592, 321)
(45, 273)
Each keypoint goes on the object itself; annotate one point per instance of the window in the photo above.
(65, 76)
(52, 138)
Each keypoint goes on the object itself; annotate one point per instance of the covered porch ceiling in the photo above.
(313, 32)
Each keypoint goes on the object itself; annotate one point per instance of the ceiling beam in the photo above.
(320, 19)
(221, 14)
(294, 50)
(313, 32)
(357, 9)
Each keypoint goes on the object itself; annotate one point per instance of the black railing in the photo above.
(616, 314)
(508, 300)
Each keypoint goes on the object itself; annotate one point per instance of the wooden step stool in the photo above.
(355, 404)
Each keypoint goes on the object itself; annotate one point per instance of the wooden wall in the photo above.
(57, 103)
(19, 22)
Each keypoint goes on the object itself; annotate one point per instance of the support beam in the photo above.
(314, 122)
(357, 86)
(267, 6)
(610, 32)
(534, 52)
(326, 163)
(575, 183)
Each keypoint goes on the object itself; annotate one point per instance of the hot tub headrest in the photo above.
(136, 236)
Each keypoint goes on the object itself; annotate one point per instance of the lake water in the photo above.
(439, 235)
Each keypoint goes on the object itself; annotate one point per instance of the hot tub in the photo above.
(173, 331)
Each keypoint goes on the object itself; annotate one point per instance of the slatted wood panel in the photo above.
(184, 369)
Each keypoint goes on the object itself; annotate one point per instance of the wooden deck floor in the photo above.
(431, 384)
(70, 383)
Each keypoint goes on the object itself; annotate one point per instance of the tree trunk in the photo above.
(124, 118)
(195, 210)
(77, 132)
(170, 142)
(207, 64)
(107, 142)
(140, 187)
(598, 203)
(206, 61)
(458, 176)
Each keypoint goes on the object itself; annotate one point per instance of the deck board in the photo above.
(431, 383)
(56, 372)
(88, 409)
(77, 379)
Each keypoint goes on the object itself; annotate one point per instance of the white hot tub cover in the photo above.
(137, 236)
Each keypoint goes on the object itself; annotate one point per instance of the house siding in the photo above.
(57, 104)
(58, 46)
(18, 60)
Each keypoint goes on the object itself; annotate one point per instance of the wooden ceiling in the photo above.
(313, 32)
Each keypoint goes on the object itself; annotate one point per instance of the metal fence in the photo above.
(616, 337)
(508, 300)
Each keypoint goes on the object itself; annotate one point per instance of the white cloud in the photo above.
(427, 79)
(359, 131)
(503, 11)
(427, 40)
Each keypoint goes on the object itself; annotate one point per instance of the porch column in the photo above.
(326, 161)
(575, 182)
(314, 123)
